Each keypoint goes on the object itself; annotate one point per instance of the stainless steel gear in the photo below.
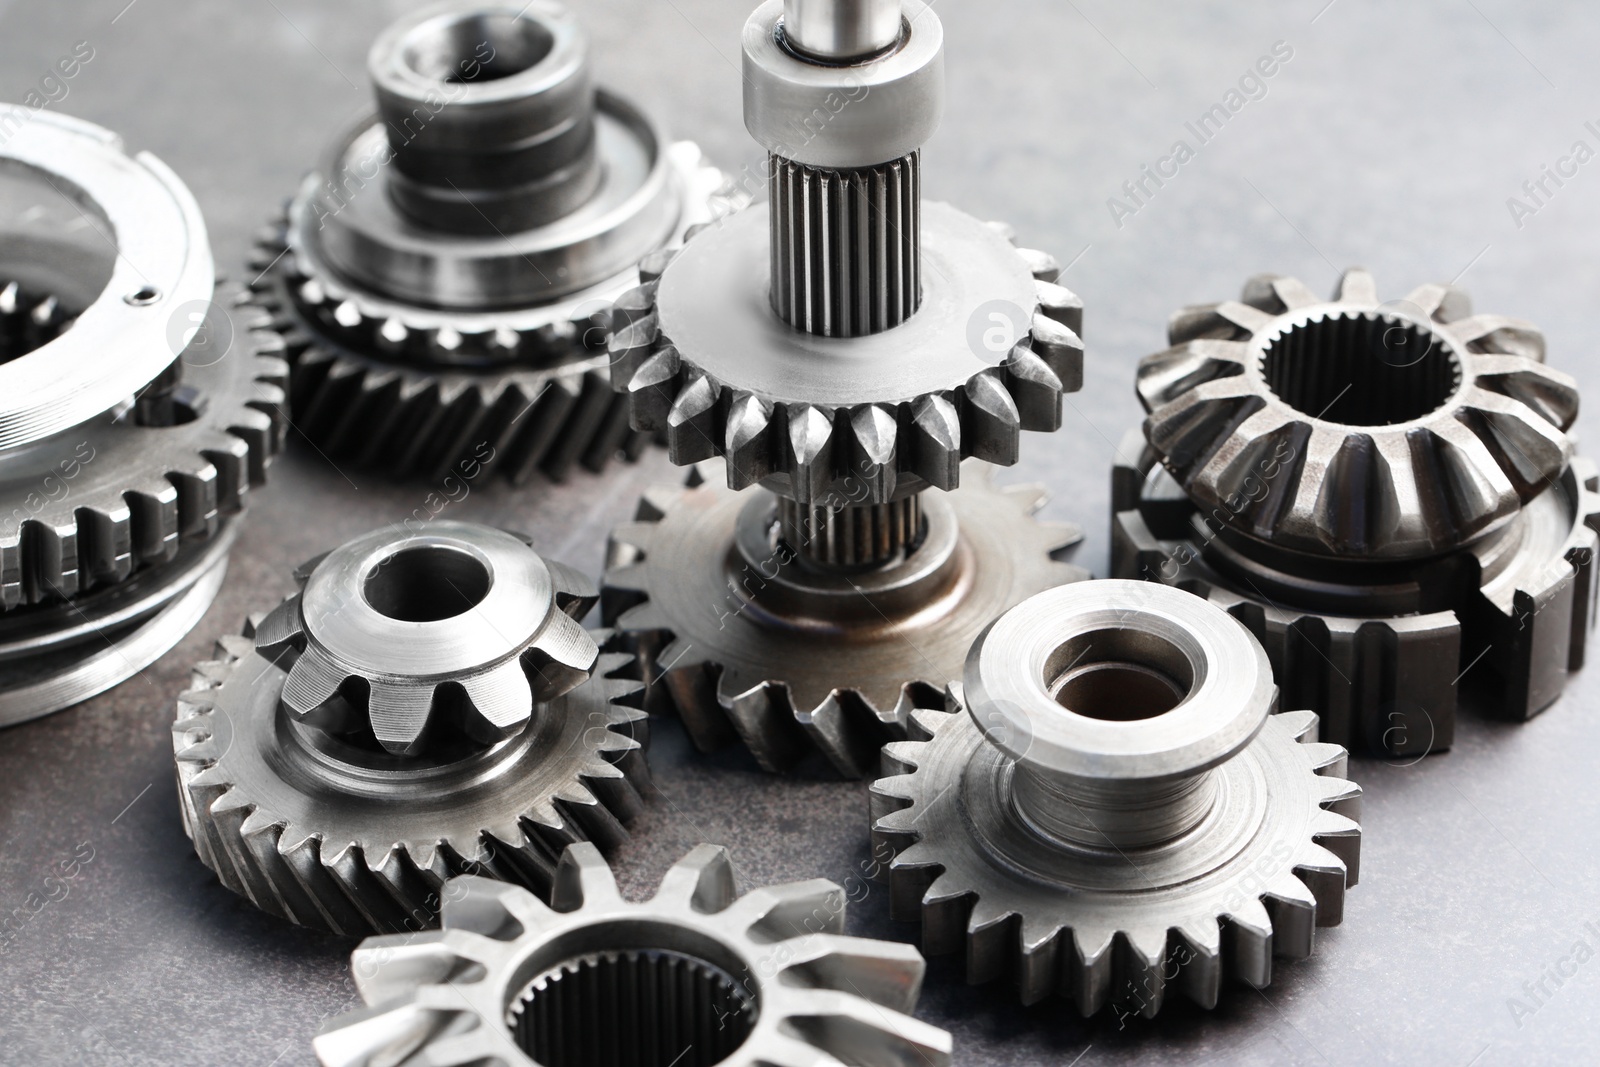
(1383, 493)
(746, 641)
(1118, 813)
(841, 352)
(425, 706)
(138, 405)
(695, 976)
(444, 279)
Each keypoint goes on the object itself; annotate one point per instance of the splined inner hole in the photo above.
(1118, 675)
(427, 584)
(1361, 371)
(635, 1008)
(477, 48)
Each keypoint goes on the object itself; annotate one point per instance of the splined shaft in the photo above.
(853, 536)
(846, 246)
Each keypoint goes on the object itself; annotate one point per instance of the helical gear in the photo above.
(473, 743)
(695, 976)
(1113, 839)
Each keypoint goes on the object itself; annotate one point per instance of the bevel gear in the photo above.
(444, 279)
(1118, 812)
(1383, 493)
(695, 976)
(745, 642)
(841, 351)
(425, 706)
(139, 403)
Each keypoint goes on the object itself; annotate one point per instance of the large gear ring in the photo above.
(747, 642)
(1118, 812)
(1424, 517)
(423, 707)
(438, 312)
(695, 976)
(138, 405)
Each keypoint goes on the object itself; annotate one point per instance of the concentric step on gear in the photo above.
(1110, 811)
(443, 280)
(426, 706)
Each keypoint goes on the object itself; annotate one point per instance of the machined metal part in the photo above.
(1118, 813)
(747, 641)
(444, 278)
(1441, 525)
(425, 706)
(139, 403)
(695, 976)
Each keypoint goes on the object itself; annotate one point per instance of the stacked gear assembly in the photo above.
(425, 706)
(839, 354)
(1384, 493)
(697, 975)
(139, 403)
(443, 280)
(1111, 811)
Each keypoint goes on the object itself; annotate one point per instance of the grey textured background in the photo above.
(1392, 138)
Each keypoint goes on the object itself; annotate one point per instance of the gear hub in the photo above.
(425, 706)
(1118, 812)
(139, 403)
(1384, 493)
(841, 352)
(695, 976)
(444, 278)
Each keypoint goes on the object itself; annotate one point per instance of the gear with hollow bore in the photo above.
(1383, 493)
(1110, 810)
(695, 976)
(425, 706)
(443, 280)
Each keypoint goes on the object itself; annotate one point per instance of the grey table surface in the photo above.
(1392, 137)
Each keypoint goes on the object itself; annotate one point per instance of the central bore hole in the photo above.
(1361, 371)
(640, 1008)
(1118, 675)
(427, 584)
(477, 48)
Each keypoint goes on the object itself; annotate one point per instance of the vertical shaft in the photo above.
(851, 537)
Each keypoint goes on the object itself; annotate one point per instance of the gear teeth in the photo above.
(749, 441)
(874, 436)
(992, 428)
(809, 453)
(1247, 943)
(936, 443)
(1036, 389)
(792, 910)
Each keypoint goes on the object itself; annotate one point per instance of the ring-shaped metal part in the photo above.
(850, 115)
(1008, 684)
(119, 344)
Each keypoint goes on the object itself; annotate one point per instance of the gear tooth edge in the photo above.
(1247, 943)
(1292, 906)
(702, 881)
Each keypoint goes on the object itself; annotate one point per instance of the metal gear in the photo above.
(124, 468)
(747, 642)
(841, 352)
(1441, 522)
(423, 707)
(1118, 813)
(443, 281)
(693, 977)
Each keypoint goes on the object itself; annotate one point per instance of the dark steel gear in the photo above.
(423, 708)
(1109, 811)
(443, 281)
(1430, 521)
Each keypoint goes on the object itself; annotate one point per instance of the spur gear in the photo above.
(746, 642)
(425, 706)
(840, 351)
(443, 281)
(695, 976)
(139, 403)
(1118, 813)
(1384, 494)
